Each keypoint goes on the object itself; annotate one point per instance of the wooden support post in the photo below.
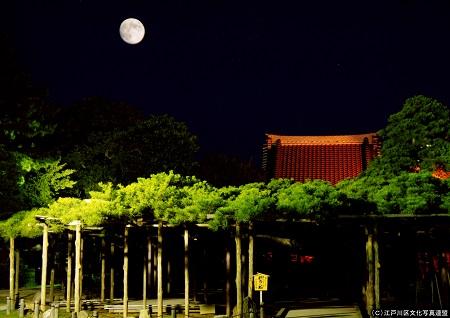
(376, 259)
(160, 281)
(186, 272)
(52, 283)
(205, 277)
(125, 272)
(77, 292)
(111, 273)
(169, 276)
(81, 267)
(16, 279)
(44, 266)
(370, 271)
(69, 271)
(238, 270)
(8, 306)
(103, 271)
(11, 269)
(250, 260)
(52, 270)
(149, 262)
(228, 281)
(21, 308)
(144, 279)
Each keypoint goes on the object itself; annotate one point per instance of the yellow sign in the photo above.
(261, 281)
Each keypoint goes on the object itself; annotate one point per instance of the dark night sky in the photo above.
(234, 70)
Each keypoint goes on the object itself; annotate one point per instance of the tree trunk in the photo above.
(238, 270)
(250, 260)
(103, 272)
(125, 272)
(228, 281)
(186, 272)
(111, 274)
(370, 272)
(160, 281)
(69, 271)
(11, 269)
(16, 279)
(44, 267)
(77, 267)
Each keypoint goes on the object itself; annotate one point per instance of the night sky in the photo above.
(234, 70)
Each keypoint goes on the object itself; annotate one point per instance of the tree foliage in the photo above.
(417, 137)
(156, 144)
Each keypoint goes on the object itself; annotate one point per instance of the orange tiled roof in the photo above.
(329, 158)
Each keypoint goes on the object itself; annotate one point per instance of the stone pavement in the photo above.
(326, 312)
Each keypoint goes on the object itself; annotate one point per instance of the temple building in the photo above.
(329, 158)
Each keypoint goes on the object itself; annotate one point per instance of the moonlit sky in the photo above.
(234, 70)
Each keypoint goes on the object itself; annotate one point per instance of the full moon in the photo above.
(132, 31)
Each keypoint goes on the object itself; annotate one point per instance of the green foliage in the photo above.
(29, 182)
(90, 211)
(417, 136)
(243, 204)
(40, 181)
(156, 144)
(311, 199)
(21, 224)
(196, 202)
(407, 193)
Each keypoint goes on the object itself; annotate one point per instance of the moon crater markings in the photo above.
(132, 31)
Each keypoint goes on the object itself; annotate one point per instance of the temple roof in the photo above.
(329, 158)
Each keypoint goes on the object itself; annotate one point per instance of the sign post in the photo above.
(261, 283)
